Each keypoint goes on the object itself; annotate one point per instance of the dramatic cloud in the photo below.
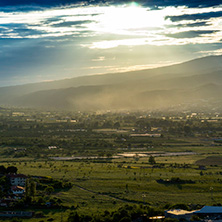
(194, 17)
(193, 3)
(195, 24)
(46, 40)
(190, 34)
(71, 23)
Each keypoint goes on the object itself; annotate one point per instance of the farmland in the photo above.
(107, 167)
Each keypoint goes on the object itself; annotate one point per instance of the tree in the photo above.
(136, 157)
(194, 218)
(125, 219)
(168, 219)
(187, 129)
(11, 169)
(27, 188)
(116, 125)
(2, 169)
(127, 188)
(49, 190)
(152, 160)
(73, 217)
(109, 155)
(32, 188)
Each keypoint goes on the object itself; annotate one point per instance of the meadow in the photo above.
(100, 185)
(108, 180)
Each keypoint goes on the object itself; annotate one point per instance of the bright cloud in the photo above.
(84, 39)
(125, 20)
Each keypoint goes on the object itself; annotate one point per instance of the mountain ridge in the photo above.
(145, 89)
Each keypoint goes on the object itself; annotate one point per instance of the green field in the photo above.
(109, 185)
(114, 180)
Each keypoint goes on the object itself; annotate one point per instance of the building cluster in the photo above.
(16, 189)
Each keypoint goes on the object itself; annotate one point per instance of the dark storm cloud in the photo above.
(189, 3)
(190, 34)
(193, 17)
(71, 23)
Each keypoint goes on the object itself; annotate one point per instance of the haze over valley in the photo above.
(193, 84)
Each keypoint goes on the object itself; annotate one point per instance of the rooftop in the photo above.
(17, 176)
(179, 212)
(210, 209)
(17, 188)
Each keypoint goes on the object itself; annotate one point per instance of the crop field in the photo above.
(100, 163)
(100, 185)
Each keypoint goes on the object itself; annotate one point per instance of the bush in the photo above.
(73, 217)
(125, 219)
(171, 220)
(180, 206)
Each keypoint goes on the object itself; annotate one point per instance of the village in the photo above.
(20, 192)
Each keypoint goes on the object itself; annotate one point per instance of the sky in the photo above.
(44, 40)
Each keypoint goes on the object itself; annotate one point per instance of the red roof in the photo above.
(17, 176)
(17, 188)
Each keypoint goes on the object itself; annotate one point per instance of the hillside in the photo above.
(198, 81)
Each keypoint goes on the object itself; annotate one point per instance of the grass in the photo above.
(109, 179)
(210, 160)
(109, 185)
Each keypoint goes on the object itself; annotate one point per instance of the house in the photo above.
(210, 212)
(3, 203)
(201, 167)
(7, 202)
(17, 179)
(19, 149)
(23, 214)
(52, 147)
(156, 135)
(17, 190)
(156, 129)
(179, 214)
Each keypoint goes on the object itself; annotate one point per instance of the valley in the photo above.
(110, 161)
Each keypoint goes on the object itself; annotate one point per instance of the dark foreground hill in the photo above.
(196, 83)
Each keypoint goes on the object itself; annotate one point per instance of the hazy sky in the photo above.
(45, 40)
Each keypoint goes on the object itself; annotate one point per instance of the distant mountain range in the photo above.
(193, 84)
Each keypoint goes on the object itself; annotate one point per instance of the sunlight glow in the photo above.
(127, 25)
(120, 19)
(109, 37)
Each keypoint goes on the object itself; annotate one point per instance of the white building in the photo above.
(17, 179)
